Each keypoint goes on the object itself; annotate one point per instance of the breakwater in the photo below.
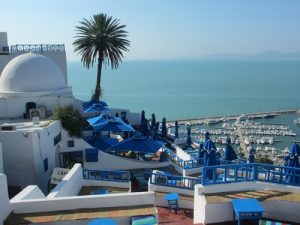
(219, 119)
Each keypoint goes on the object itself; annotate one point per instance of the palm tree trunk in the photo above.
(97, 93)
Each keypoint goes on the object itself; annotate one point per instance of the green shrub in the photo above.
(71, 120)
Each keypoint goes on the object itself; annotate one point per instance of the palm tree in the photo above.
(101, 38)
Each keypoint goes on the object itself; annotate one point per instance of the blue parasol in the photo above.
(95, 106)
(101, 142)
(139, 143)
(109, 123)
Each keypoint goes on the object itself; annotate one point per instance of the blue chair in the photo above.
(172, 199)
(103, 221)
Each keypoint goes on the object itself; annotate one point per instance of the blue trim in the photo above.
(232, 173)
(173, 181)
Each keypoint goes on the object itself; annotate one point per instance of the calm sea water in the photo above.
(194, 89)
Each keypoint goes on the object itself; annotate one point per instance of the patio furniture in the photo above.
(100, 192)
(247, 209)
(143, 220)
(172, 199)
(103, 221)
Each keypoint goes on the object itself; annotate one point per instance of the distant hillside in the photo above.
(270, 55)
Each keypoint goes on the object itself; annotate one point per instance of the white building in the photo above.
(33, 81)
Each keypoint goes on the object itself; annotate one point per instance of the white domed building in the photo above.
(35, 81)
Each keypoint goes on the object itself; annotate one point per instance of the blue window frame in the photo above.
(71, 144)
(57, 139)
(45, 165)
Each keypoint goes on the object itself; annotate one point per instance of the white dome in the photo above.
(31, 73)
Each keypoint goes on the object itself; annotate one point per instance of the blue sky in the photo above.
(163, 29)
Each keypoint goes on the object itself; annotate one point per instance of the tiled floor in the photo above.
(185, 217)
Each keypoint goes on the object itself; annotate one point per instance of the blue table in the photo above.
(247, 209)
(103, 221)
(172, 199)
(100, 192)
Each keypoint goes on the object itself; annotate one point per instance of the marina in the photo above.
(72, 156)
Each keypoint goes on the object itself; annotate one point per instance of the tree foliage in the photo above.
(71, 120)
(103, 39)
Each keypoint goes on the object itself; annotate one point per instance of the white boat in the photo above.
(297, 121)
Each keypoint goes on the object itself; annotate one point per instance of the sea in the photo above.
(190, 89)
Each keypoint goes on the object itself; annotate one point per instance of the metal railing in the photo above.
(37, 48)
(105, 175)
(173, 181)
(232, 173)
(250, 172)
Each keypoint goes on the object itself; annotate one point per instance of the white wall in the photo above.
(24, 152)
(102, 183)
(79, 202)
(220, 212)
(5, 207)
(43, 147)
(70, 185)
(18, 158)
(1, 159)
(30, 192)
(14, 107)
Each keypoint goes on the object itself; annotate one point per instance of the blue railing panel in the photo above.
(105, 175)
(173, 181)
(250, 172)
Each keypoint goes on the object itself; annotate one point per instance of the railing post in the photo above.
(254, 171)
(203, 175)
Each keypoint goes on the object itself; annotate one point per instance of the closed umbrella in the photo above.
(153, 121)
(164, 127)
(229, 153)
(251, 152)
(188, 138)
(292, 176)
(143, 118)
(210, 156)
(176, 129)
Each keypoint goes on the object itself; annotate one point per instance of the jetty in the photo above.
(242, 143)
(219, 119)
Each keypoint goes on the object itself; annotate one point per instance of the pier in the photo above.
(219, 119)
(242, 143)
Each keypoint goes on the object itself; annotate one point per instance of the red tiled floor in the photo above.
(183, 217)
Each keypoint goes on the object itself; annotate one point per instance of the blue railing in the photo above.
(105, 175)
(192, 163)
(250, 172)
(232, 173)
(173, 181)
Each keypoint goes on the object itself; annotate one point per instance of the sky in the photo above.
(162, 29)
